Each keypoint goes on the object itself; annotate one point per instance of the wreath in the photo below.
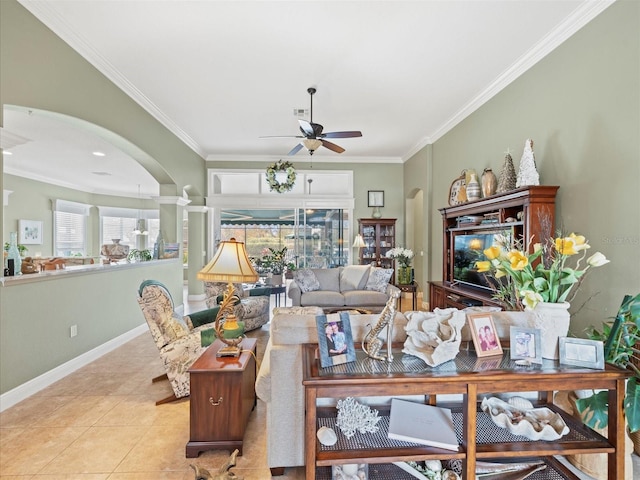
(280, 166)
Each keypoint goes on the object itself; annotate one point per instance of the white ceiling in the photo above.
(220, 74)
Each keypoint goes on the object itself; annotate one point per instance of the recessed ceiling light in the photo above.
(99, 154)
(4, 152)
(102, 173)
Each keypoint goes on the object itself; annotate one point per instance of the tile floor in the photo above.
(101, 422)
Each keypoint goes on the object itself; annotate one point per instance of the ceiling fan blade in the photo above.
(295, 149)
(332, 146)
(306, 128)
(348, 134)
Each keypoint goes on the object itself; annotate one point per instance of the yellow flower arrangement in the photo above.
(551, 280)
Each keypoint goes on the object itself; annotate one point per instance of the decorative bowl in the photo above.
(521, 418)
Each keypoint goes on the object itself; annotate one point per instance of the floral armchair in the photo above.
(177, 338)
(253, 308)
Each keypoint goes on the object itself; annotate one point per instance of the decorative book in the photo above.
(423, 424)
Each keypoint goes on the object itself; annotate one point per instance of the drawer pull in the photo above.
(214, 403)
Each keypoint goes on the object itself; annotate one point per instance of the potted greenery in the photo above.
(274, 261)
(21, 248)
(136, 255)
(621, 339)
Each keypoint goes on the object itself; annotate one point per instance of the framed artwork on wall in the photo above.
(30, 232)
(376, 198)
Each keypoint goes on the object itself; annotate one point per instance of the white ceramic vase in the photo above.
(553, 321)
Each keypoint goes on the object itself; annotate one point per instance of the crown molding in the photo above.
(47, 14)
(310, 159)
(172, 200)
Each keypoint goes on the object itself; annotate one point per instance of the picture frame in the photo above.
(582, 352)
(335, 340)
(484, 334)
(375, 198)
(30, 232)
(525, 344)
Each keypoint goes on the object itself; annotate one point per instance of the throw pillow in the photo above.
(352, 276)
(306, 280)
(378, 279)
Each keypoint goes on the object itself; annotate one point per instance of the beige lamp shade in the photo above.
(358, 242)
(230, 264)
(312, 144)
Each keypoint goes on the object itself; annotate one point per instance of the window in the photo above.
(70, 227)
(125, 223)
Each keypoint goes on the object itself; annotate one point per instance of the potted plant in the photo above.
(542, 282)
(621, 339)
(274, 261)
(136, 255)
(21, 248)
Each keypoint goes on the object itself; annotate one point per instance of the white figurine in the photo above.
(527, 173)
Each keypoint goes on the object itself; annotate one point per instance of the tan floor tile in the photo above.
(142, 410)
(34, 448)
(71, 476)
(31, 411)
(98, 450)
(177, 475)
(81, 411)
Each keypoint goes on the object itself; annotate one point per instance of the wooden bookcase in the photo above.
(526, 213)
(379, 235)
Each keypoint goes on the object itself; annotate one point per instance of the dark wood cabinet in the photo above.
(222, 397)
(379, 235)
(525, 215)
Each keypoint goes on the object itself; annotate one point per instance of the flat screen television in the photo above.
(467, 249)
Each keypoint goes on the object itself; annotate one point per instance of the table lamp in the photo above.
(230, 264)
(358, 243)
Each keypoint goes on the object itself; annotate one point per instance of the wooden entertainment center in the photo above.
(525, 213)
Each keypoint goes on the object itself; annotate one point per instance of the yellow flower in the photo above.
(580, 243)
(492, 252)
(518, 260)
(597, 260)
(483, 266)
(566, 246)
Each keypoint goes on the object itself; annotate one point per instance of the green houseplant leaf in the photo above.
(620, 338)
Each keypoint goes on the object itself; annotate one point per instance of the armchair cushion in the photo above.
(201, 318)
(379, 279)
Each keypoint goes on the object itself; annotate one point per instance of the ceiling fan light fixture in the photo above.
(311, 144)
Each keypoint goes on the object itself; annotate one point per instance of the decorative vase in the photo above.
(404, 275)
(553, 321)
(158, 248)
(489, 183)
(473, 187)
(14, 254)
(276, 279)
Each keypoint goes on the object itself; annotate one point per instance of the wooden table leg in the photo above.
(616, 431)
(310, 433)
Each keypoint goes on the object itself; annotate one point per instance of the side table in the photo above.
(413, 289)
(276, 291)
(222, 397)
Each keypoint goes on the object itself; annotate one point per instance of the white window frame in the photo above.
(81, 210)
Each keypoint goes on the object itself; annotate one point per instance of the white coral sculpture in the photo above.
(353, 416)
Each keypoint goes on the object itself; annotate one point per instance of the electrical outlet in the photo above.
(73, 331)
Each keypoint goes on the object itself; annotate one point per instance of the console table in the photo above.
(478, 436)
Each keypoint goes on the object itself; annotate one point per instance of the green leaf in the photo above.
(632, 404)
(594, 409)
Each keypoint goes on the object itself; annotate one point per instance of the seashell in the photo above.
(327, 436)
(450, 475)
(520, 403)
(433, 465)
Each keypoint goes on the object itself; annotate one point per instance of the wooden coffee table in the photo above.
(222, 397)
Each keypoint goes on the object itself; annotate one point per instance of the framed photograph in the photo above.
(335, 340)
(484, 334)
(376, 198)
(582, 352)
(526, 344)
(30, 232)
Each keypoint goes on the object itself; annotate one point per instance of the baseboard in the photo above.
(34, 385)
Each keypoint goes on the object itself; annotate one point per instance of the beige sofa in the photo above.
(351, 286)
(279, 382)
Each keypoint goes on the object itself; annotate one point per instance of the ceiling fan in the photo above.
(312, 135)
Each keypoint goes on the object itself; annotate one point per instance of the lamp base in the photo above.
(229, 351)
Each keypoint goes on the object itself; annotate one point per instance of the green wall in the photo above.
(581, 106)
